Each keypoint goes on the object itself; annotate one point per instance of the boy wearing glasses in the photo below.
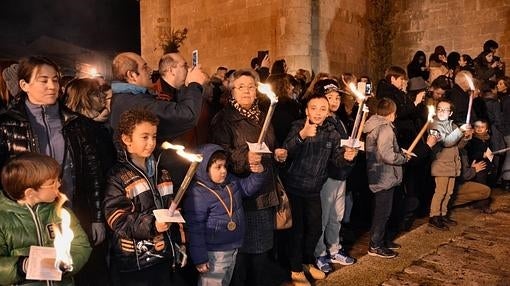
(447, 164)
(28, 211)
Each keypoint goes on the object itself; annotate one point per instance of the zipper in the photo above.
(38, 229)
(47, 129)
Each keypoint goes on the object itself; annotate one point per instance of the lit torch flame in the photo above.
(167, 145)
(63, 237)
(268, 91)
(190, 156)
(360, 96)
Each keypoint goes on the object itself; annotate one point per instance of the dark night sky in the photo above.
(104, 25)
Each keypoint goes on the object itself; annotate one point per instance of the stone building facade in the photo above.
(324, 35)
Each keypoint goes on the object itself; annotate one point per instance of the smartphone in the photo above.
(261, 55)
(194, 58)
(368, 89)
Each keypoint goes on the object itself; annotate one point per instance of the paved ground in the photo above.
(475, 252)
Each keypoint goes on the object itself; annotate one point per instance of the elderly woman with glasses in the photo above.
(240, 122)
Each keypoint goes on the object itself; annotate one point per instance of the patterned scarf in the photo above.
(253, 113)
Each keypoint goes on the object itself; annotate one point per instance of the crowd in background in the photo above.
(105, 138)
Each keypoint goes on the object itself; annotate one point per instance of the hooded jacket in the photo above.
(206, 216)
(131, 196)
(24, 226)
(384, 158)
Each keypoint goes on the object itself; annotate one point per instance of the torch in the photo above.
(432, 112)
(471, 95)
(261, 147)
(353, 140)
(63, 237)
(195, 159)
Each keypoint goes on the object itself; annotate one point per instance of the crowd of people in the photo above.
(98, 144)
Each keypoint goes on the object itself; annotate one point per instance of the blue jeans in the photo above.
(221, 267)
(333, 206)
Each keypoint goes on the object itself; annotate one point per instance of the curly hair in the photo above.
(130, 118)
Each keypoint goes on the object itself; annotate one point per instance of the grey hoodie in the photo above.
(384, 158)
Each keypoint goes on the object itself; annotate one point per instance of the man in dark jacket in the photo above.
(131, 89)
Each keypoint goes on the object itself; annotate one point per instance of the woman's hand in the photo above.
(203, 268)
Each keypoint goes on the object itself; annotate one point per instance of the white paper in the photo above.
(41, 264)
(488, 154)
(405, 151)
(164, 215)
(353, 143)
(258, 148)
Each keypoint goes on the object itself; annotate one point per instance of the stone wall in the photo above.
(323, 35)
(458, 25)
(230, 33)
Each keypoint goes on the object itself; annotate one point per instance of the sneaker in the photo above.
(314, 272)
(392, 245)
(438, 223)
(323, 264)
(381, 252)
(342, 259)
(448, 221)
(299, 279)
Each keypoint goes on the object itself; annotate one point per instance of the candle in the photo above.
(361, 99)
(63, 237)
(431, 114)
(471, 90)
(195, 159)
(266, 89)
(363, 119)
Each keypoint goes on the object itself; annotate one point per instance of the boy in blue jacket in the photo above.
(214, 214)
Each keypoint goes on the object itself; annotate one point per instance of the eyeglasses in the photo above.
(443, 110)
(55, 185)
(249, 87)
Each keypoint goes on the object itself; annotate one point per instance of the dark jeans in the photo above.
(383, 201)
(156, 275)
(306, 230)
(256, 270)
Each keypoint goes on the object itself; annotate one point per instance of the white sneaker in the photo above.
(342, 259)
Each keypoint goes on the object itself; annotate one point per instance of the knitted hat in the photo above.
(326, 86)
(10, 75)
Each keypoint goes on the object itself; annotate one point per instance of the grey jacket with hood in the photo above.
(384, 157)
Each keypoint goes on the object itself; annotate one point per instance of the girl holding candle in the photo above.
(141, 247)
(446, 165)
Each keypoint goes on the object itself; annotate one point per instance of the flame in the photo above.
(355, 91)
(470, 82)
(167, 145)
(63, 236)
(432, 112)
(190, 156)
(268, 91)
